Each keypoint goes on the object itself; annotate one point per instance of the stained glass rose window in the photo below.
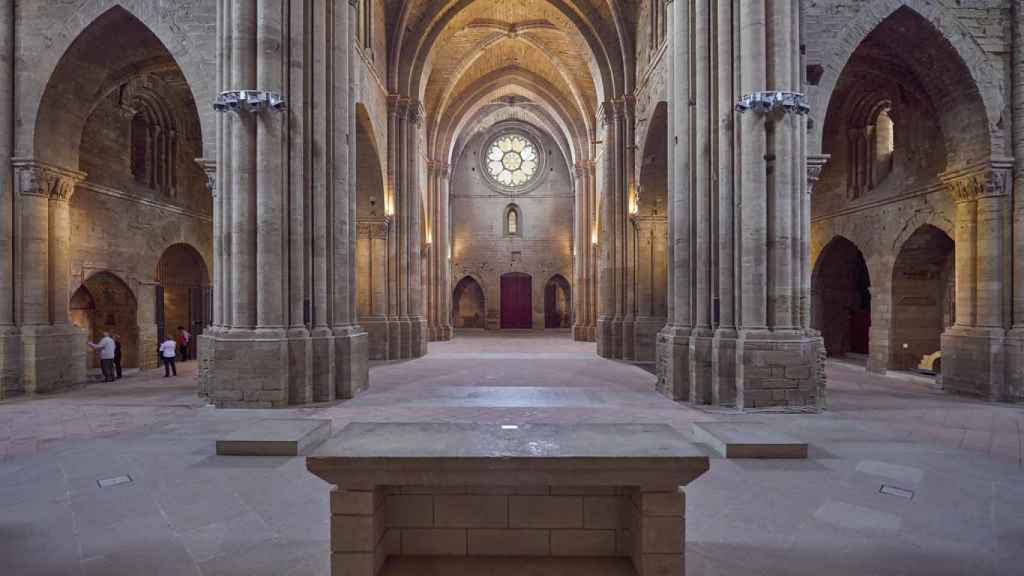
(512, 160)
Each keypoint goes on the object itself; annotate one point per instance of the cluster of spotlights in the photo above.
(765, 102)
(249, 101)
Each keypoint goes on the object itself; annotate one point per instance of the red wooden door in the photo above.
(516, 300)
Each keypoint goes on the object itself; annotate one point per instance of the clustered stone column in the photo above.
(285, 328)
(1015, 337)
(973, 355)
(615, 317)
(10, 341)
(738, 213)
(438, 269)
(584, 268)
(407, 325)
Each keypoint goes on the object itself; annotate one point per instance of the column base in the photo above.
(609, 338)
(147, 356)
(582, 333)
(645, 338)
(417, 337)
(777, 369)
(674, 362)
(351, 367)
(10, 362)
(1015, 365)
(377, 334)
(700, 365)
(878, 349)
(52, 358)
(723, 368)
(974, 362)
(628, 338)
(440, 333)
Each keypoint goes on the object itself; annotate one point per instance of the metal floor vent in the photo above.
(115, 481)
(896, 491)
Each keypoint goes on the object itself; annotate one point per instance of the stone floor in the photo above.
(188, 511)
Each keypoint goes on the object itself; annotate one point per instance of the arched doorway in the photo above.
(650, 226)
(516, 301)
(468, 307)
(104, 303)
(841, 298)
(183, 295)
(923, 298)
(557, 303)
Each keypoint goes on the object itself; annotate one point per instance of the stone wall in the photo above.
(481, 248)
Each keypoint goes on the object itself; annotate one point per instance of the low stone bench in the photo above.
(595, 499)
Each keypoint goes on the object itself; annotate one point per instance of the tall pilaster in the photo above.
(614, 305)
(973, 349)
(10, 342)
(1015, 341)
(674, 339)
(52, 349)
(442, 262)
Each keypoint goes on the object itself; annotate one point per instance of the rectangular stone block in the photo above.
(362, 503)
(274, 436)
(545, 511)
(355, 533)
(434, 542)
(509, 542)
(583, 543)
(748, 440)
(659, 503)
(662, 565)
(470, 511)
(602, 512)
(661, 535)
(509, 490)
(409, 511)
(353, 564)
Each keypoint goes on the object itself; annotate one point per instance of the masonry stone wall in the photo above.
(481, 248)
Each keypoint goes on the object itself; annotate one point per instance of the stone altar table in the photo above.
(452, 498)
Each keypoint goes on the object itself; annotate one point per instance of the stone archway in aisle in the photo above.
(469, 308)
(105, 303)
(841, 298)
(183, 295)
(923, 299)
(557, 303)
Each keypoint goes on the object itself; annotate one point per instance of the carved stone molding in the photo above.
(815, 164)
(209, 167)
(34, 178)
(374, 229)
(993, 179)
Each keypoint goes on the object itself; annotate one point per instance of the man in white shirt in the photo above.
(106, 347)
(168, 351)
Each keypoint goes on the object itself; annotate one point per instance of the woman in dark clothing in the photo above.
(117, 356)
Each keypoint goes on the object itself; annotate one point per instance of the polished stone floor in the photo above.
(188, 511)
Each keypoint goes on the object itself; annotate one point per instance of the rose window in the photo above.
(512, 160)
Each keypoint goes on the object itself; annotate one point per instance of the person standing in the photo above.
(184, 339)
(107, 349)
(117, 356)
(168, 352)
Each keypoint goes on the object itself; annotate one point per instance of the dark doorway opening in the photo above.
(557, 303)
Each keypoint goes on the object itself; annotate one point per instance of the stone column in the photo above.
(627, 164)
(674, 339)
(701, 337)
(52, 350)
(373, 278)
(973, 349)
(442, 244)
(262, 354)
(615, 261)
(10, 342)
(723, 348)
(1015, 341)
(776, 354)
(581, 242)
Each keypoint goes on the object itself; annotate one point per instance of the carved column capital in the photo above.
(815, 164)
(34, 178)
(209, 167)
(992, 179)
(373, 228)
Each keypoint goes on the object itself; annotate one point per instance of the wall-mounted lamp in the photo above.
(774, 101)
(249, 101)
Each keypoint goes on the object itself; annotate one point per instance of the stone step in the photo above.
(275, 437)
(748, 440)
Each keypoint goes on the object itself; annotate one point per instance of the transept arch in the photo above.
(964, 68)
(112, 42)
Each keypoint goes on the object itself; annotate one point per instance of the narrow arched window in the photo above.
(513, 221)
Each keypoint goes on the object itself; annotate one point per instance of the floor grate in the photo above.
(115, 481)
(896, 491)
